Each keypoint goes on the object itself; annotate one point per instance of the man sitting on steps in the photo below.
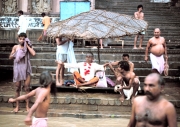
(86, 77)
(125, 80)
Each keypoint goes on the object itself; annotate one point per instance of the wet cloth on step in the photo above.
(157, 62)
(22, 65)
(39, 122)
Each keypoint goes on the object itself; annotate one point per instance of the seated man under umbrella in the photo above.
(86, 77)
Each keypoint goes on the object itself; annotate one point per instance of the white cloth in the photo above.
(71, 57)
(63, 49)
(39, 122)
(85, 67)
(102, 79)
(23, 24)
(129, 92)
(157, 62)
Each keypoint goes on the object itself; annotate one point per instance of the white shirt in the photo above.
(87, 71)
(23, 24)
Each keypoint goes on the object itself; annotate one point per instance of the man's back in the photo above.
(46, 21)
(41, 111)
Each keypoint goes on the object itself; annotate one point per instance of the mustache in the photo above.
(148, 93)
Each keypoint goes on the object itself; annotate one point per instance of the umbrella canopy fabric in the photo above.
(97, 24)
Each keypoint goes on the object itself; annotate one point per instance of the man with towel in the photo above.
(22, 66)
(157, 46)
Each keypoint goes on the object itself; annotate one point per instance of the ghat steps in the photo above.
(98, 101)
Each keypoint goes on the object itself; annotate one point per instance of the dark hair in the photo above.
(90, 53)
(125, 55)
(22, 35)
(139, 6)
(20, 12)
(45, 80)
(124, 65)
(43, 14)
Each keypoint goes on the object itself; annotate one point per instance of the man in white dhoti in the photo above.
(157, 46)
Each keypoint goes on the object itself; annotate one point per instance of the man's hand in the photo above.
(11, 100)
(146, 58)
(28, 121)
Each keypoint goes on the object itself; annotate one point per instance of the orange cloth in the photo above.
(77, 76)
(46, 21)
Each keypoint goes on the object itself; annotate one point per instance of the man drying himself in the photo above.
(125, 80)
(152, 109)
(64, 53)
(42, 100)
(86, 77)
(22, 66)
(157, 46)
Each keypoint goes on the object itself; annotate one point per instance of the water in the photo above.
(18, 121)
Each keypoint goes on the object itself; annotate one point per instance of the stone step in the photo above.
(138, 71)
(138, 63)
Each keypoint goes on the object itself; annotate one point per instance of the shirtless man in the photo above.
(22, 66)
(125, 57)
(123, 74)
(152, 109)
(157, 47)
(41, 105)
(139, 15)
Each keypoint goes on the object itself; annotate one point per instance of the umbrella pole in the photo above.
(98, 51)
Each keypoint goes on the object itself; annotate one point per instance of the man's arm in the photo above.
(132, 121)
(171, 116)
(31, 50)
(63, 41)
(112, 69)
(165, 51)
(39, 100)
(135, 15)
(146, 50)
(23, 97)
(131, 66)
(114, 63)
(12, 52)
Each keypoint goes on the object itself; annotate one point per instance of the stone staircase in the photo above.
(104, 102)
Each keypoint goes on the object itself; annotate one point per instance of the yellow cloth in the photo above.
(46, 21)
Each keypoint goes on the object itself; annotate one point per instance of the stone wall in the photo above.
(33, 6)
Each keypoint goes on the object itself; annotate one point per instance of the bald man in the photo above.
(152, 109)
(157, 46)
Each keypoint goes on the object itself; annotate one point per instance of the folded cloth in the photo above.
(157, 62)
(39, 122)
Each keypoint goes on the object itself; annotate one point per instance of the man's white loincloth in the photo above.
(157, 62)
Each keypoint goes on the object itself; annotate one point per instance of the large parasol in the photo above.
(97, 24)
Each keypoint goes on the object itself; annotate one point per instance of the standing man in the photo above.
(22, 66)
(64, 52)
(152, 109)
(46, 22)
(157, 47)
(23, 23)
(139, 15)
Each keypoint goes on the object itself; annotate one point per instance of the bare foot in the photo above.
(16, 110)
(141, 48)
(58, 84)
(121, 98)
(135, 48)
(101, 47)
